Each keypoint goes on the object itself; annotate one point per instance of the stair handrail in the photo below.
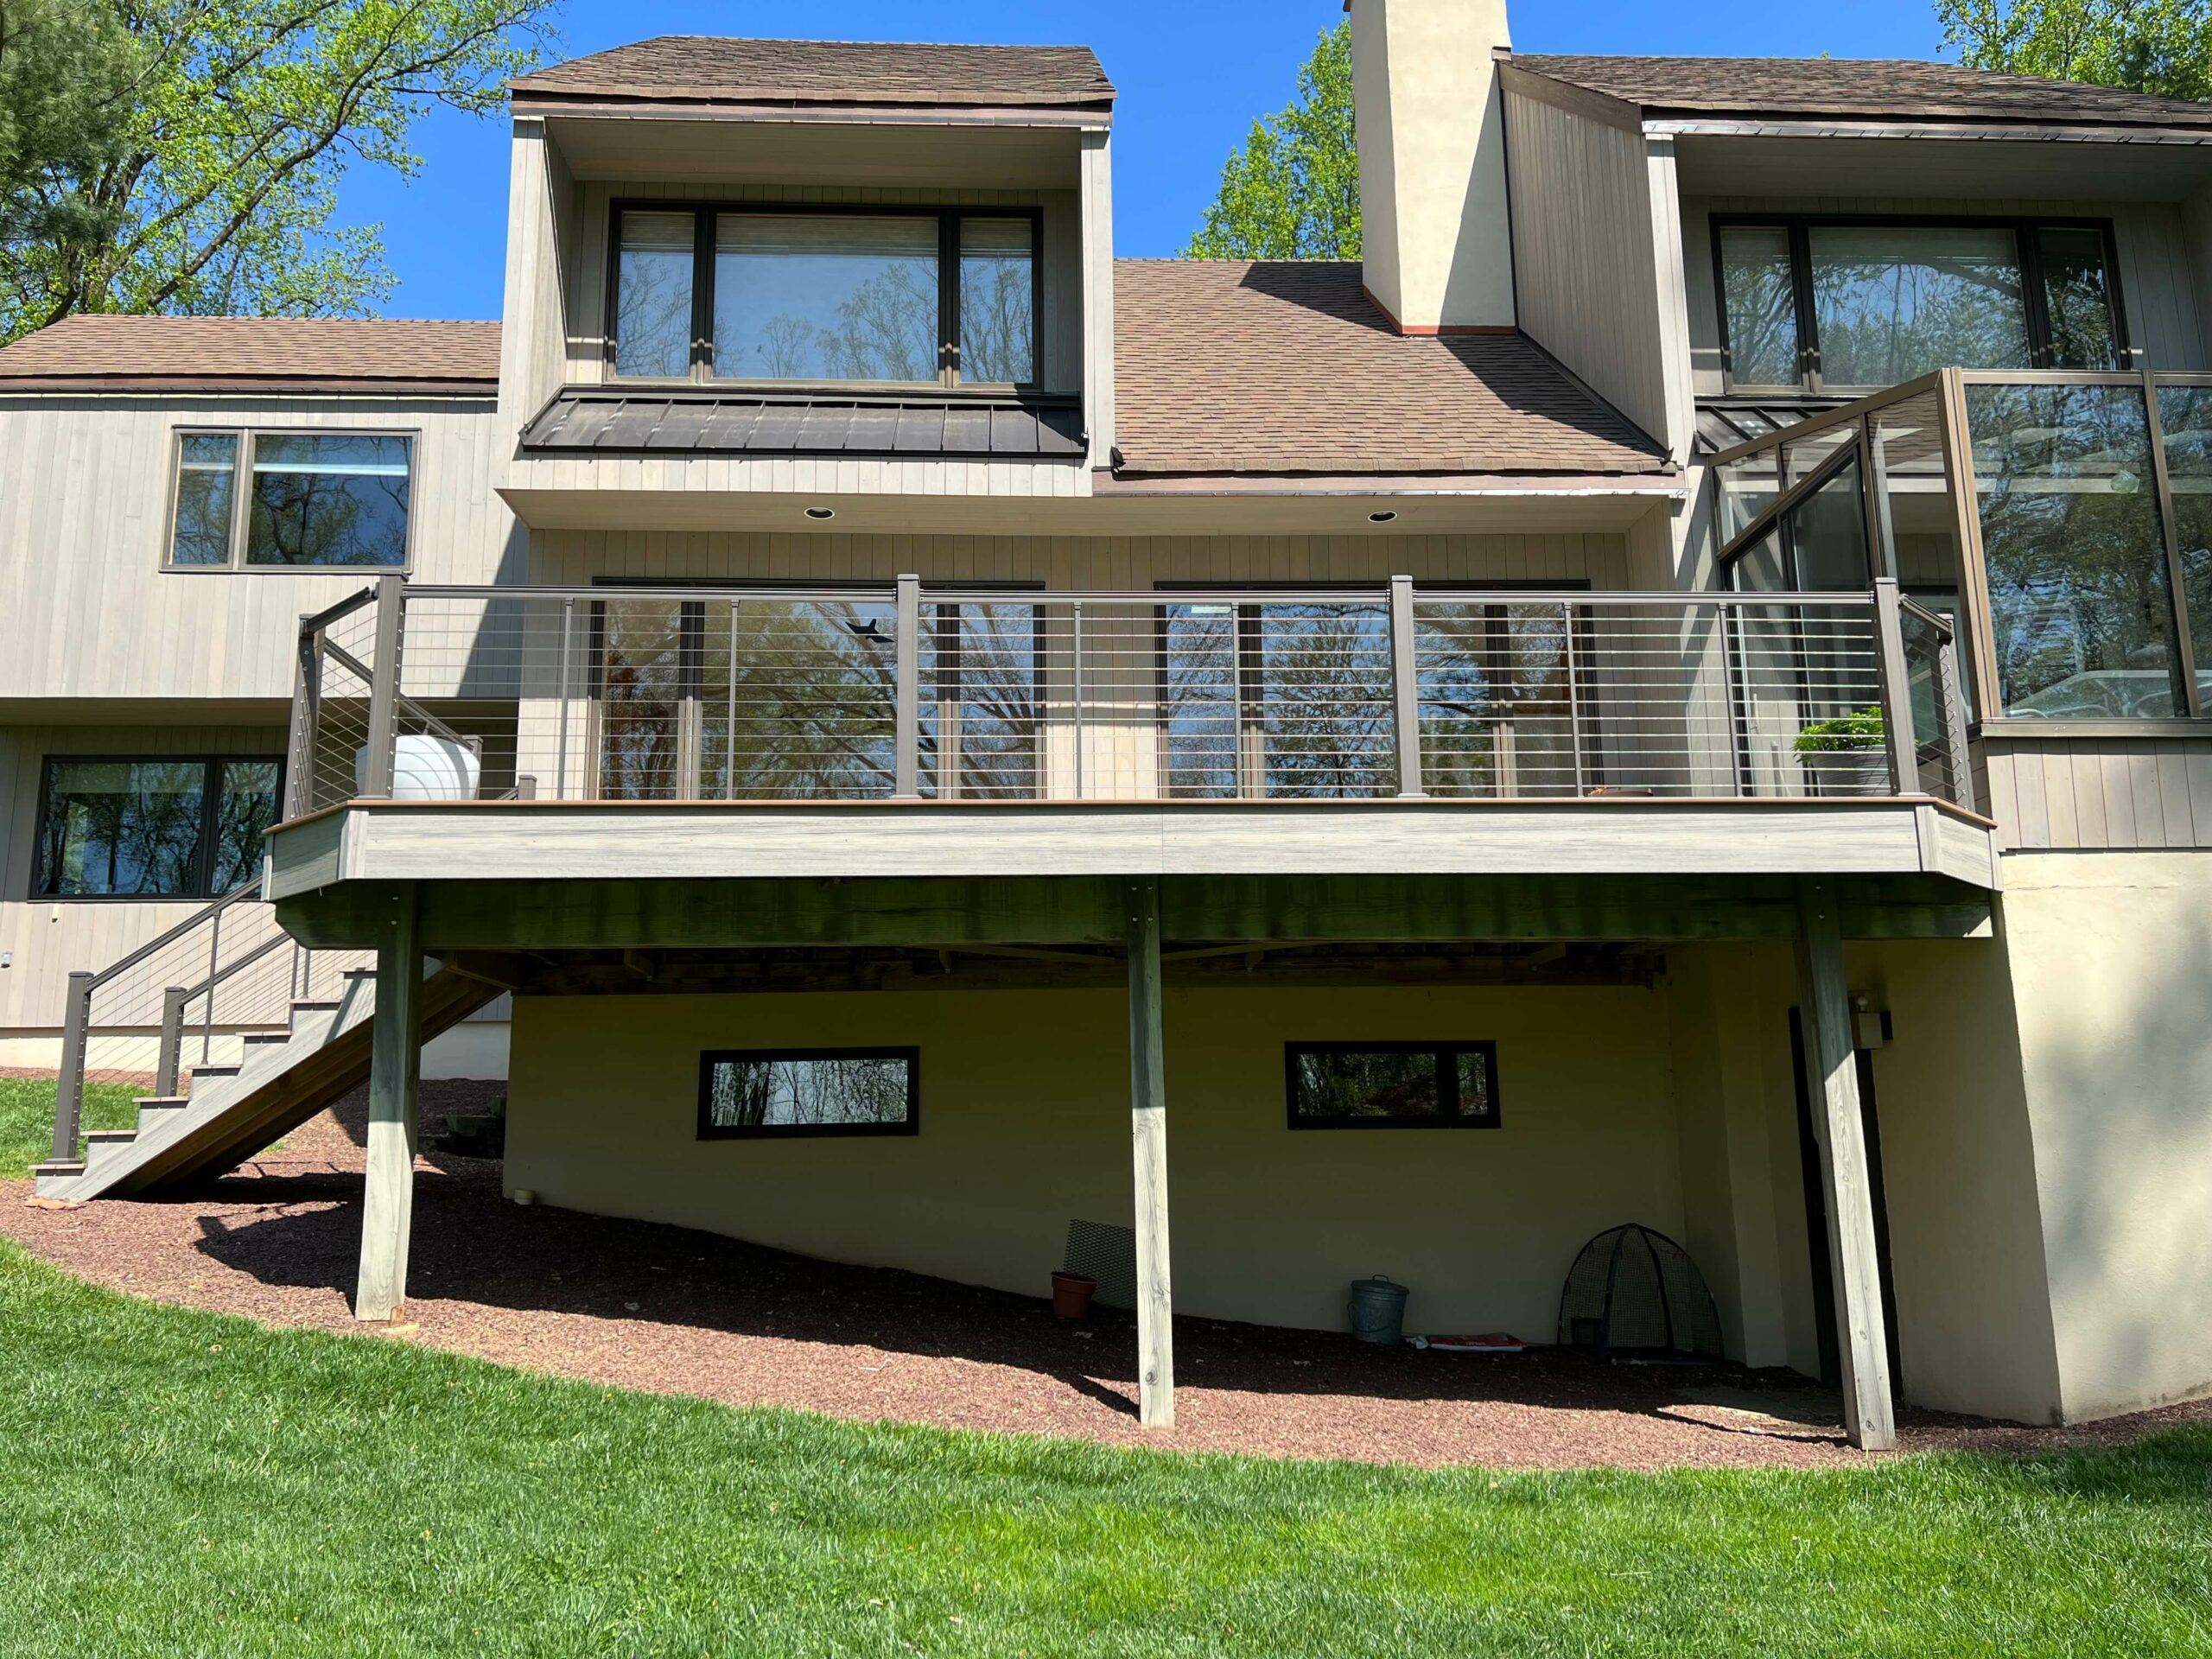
(250, 889)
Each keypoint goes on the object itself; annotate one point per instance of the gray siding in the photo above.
(84, 507)
(2116, 794)
(1589, 256)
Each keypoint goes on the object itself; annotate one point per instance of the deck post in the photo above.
(1831, 1063)
(1405, 677)
(382, 736)
(69, 1082)
(1149, 1132)
(1896, 687)
(395, 1072)
(906, 702)
(172, 1049)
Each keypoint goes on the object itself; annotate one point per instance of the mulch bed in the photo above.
(660, 1308)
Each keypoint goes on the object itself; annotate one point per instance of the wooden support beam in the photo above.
(1832, 1063)
(950, 913)
(1148, 1137)
(394, 1073)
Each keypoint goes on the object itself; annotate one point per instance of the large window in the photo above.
(313, 500)
(1393, 1085)
(787, 1093)
(159, 828)
(1855, 304)
(825, 296)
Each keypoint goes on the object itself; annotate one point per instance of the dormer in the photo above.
(738, 266)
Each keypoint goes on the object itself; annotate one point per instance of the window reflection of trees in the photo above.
(828, 1092)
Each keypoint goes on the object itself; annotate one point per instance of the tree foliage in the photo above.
(211, 187)
(68, 70)
(2162, 47)
(1293, 191)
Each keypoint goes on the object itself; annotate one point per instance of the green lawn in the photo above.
(180, 1483)
(26, 1118)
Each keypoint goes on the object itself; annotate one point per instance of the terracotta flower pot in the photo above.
(1071, 1294)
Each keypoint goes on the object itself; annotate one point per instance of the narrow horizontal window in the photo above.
(152, 827)
(206, 492)
(791, 1093)
(1393, 1085)
(328, 498)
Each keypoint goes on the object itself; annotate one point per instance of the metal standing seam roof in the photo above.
(1722, 423)
(275, 353)
(1287, 368)
(1856, 89)
(626, 420)
(709, 68)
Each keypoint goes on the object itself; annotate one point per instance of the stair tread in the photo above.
(104, 1137)
(159, 1102)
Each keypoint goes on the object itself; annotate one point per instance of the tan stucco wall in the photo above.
(2112, 970)
(1025, 1126)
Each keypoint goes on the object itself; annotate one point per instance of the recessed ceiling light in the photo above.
(821, 515)
(1385, 517)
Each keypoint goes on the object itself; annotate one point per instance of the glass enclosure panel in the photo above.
(652, 290)
(207, 484)
(998, 322)
(2081, 610)
(1745, 489)
(1759, 291)
(1760, 567)
(122, 827)
(1827, 533)
(2077, 299)
(2185, 413)
(1892, 302)
(328, 498)
(828, 296)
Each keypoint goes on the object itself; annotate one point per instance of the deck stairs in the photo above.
(233, 1111)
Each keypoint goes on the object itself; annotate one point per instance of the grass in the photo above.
(26, 1118)
(180, 1483)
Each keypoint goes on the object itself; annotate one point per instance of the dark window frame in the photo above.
(211, 807)
(1447, 1055)
(1799, 228)
(242, 498)
(703, 214)
(710, 1130)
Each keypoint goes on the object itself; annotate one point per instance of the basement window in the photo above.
(1449, 1085)
(788, 1094)
(158, 827)
(312, 500)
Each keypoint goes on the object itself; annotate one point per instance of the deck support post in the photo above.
(1148, 1134)
(394, 1073)
(1831, 1063)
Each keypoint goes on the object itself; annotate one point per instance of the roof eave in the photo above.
(274, 385)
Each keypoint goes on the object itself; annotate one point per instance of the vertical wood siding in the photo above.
(2119, 794)
(1586, 251)
(85, 488)
(49, 940)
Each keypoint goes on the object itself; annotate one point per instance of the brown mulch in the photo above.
(660, 1308)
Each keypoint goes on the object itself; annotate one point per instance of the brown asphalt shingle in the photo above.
(345, 353)
(715, 69)
(1286, 368)
(1858, 89)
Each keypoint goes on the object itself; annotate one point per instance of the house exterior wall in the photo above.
(2158, 287)
(2099, 794)
(85, 492)
(1025, 1126)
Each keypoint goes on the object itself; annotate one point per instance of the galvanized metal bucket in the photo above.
(1378, 1310)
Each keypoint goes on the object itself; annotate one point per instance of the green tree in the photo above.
(215, 193)
(2146, 45)
(68, 72)
(1293, 191)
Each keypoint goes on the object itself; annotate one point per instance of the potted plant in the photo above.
(1849, 755)
(1071, 1294)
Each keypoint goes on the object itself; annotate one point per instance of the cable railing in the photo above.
(925, 695)
(188, 999)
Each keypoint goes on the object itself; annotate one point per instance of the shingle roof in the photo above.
(711, 69)
(269, 352)
(1283, 368)
(1858, 89)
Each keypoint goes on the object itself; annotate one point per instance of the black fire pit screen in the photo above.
(1635, 1294)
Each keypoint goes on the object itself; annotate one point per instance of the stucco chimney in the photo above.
(1432, 162)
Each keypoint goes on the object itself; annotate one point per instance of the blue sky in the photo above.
(1192, 74)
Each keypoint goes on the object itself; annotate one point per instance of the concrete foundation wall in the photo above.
(1025, 1126)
